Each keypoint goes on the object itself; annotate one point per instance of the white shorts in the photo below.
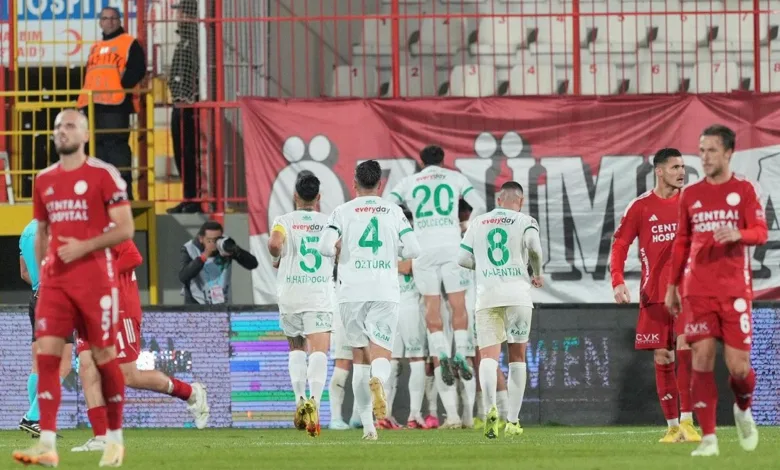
(305, 323)
(432, 268)
(339, 348)
(498, 324)
(374, 322)
(411, 341)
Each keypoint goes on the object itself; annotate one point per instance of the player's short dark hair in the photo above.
(307, 187)
(432, 155)
(368, 174)
(727, 137)
(663, 155)
(209, 225)
(512, 185)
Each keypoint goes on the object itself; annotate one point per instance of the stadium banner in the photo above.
(581, 161)
(582, 366)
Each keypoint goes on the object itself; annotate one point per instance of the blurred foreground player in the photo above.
(128, 340)
(74, 201)
(653, 218)
(720, 217)
(373, 232)
(305, 294)
(499, 246)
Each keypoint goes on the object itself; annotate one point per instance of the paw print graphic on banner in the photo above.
(318, 156)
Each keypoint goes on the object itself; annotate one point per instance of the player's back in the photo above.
(304, 279)
(370, 240)
(719, 268)
(501, 258)
(75, 204)
(432, 196)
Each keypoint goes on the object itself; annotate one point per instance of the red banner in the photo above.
(581, 161)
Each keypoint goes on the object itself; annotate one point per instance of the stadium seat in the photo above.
(503, 34)
(443, 36)
(615, 33)
(532, 80)
(460, 2)
(351, 81)
(654, 78)
(376, 38)
(679, 32)
(472, 81)
(599, 79)
(735, 32)
(553, 35)
(416, 81)
(770, 76)
(713, 77)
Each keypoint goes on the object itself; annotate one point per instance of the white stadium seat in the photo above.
(714, 77)
(598, 79)
(473, 81)
(736, 32)
(416, 81)
(554, 35)
(655, 78)
(680, 32)
(616, 33)
(376, 38)
(770, 76)
(443, 36)
(532, 80)
(358, 82)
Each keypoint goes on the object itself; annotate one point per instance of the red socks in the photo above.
(49, 390)
(113, 384)
(704, 393)
(666, 385)
(743, 389)
(98, 418)
(181, 390)
(684, 361)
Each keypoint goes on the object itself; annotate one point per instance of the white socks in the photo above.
(49, 439)
(432, 395)
(360, 389)
(488, 379)
(439, 345)
(687, 416)
(380, 368)
(462, 342)
(416, 388)
(297, 366)
(480, 405)
(448, 394)
(516, 389)
(502, 400)
(391, 386)
(468, 397)
(337, 390)
(317, 373)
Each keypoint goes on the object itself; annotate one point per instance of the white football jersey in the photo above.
(410, 296)
(304, 282)
(496, 240)
(432, 196)
(371, 230)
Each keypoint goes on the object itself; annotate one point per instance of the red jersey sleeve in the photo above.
(682, 243)
(127, 257)
(39, 207)
(756, 232)
(112, 187)
(625, 234)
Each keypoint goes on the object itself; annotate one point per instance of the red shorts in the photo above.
(90, 310)
(128, 341)
(656, 328)
(729, 319)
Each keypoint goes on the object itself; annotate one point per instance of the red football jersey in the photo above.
(75, 204)
(654, 220)
(716, 269)
(127, 259)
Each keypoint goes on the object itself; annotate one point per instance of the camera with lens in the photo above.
(226, 245)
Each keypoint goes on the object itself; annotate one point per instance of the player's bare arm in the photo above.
(405, 267)
(534, 246)
(121, 215)
(25, 274)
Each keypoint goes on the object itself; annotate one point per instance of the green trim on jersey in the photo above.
(404, 232)
(466, 191)
(400, 199)
(467, 248)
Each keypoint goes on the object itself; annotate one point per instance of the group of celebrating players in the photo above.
(80, 244)
(384, 300)
(384, 282)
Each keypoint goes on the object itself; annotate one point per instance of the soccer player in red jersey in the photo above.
(720, 217)
(653, 218)
(74, 201)
(128, 341)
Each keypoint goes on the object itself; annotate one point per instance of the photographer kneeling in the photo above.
(206, 265)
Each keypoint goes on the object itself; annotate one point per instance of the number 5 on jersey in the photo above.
(305, 251)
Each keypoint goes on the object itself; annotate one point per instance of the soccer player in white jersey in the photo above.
(305, 293)
(373, 233)
(498, 246)
(432, 195)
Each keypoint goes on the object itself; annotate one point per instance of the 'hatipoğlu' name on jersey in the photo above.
(306, 279)
(67, 210)
(709, 221)
(499, 221)
(308, 227)
(373, 209)
(663, 232)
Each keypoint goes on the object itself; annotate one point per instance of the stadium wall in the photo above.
(583, 369)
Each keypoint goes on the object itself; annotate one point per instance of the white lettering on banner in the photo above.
(647, 338)
(589, 364)
(29, 10)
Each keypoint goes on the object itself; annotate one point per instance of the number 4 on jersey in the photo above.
(370, 237)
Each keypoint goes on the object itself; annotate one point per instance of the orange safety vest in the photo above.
(106, 65)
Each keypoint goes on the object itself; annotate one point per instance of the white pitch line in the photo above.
(609, 433)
